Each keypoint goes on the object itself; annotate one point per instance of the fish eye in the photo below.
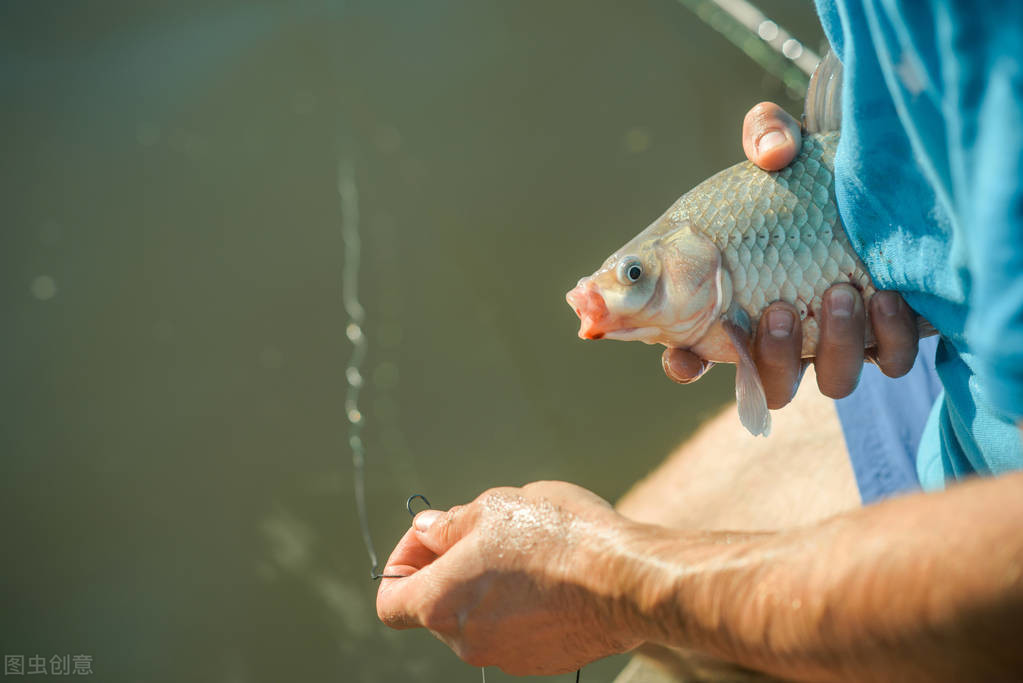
(629, 271)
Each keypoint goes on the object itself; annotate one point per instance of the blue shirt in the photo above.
(882, 422)
(929, 183)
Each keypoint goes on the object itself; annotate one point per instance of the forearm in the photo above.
(925, 587)
(724, 478)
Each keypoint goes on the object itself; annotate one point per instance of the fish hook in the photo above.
(408, 503)
(376, 576)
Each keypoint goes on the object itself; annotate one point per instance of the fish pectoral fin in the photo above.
(749, 390)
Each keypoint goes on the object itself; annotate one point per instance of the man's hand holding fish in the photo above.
(771, 139)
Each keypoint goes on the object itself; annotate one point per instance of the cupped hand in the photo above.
(508, 579)
(771, 139)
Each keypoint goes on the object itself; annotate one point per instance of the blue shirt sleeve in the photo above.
(981, 47)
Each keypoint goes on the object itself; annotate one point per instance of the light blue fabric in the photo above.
(929, 182)
(882, 422)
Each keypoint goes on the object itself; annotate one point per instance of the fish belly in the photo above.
(779, 233)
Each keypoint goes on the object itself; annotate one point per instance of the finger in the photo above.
(776, 351)
(840, 348)
(894, 327)
(397, 601)
(392, 610)
(683, 366)
(396, 597)
(409, 556)
(439, 530)
(770, 137)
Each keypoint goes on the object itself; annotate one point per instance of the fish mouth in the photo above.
(589, 305)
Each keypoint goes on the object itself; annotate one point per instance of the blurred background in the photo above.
(175, 471)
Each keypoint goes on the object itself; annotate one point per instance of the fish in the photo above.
(700, 275)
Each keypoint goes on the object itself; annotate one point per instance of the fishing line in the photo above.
(763, 41)
(348, 191)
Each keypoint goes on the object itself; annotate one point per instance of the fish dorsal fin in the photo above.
(822, 111)
(749, 390)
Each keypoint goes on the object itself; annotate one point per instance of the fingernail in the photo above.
(779, 323)
(425, 519)
(770, 140)
(684, 368)
(841, 301)
(888, 303)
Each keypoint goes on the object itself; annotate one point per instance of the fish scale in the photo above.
(779, 233)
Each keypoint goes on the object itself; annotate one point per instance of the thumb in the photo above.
(683, 366)
(439, 530)
(770, 137)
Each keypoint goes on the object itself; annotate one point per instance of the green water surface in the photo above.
(176, 481)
